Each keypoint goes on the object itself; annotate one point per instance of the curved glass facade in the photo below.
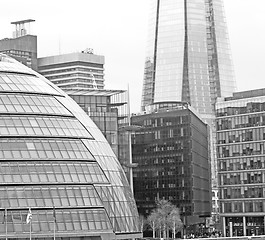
(55, 161)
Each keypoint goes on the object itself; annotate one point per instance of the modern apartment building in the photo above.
(23, 45)
(170, 147)
(241, 162)
(80, 70)
(56, 164)
(188, 58)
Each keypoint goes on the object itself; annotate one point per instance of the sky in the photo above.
(117, 29)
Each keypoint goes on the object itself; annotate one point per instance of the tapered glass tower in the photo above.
(188, 55)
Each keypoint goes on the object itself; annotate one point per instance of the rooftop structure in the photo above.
(22, 27)
(23, 45)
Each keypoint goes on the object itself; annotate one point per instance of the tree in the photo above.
(153, 221)
(142, 222)
(164, 208)
(165, 217)
(175, 222)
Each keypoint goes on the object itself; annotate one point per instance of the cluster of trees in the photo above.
(164, 219)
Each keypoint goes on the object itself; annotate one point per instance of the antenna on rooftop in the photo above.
(59, 45)
(22, 27)
(88, 51)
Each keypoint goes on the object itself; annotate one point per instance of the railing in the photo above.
(259, 237)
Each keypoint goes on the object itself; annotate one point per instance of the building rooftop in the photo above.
(71, 57)
(93, 92)
(23, 21)
(246, 94)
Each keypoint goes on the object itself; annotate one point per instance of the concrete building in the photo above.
(80, 70)
(23, 45)
(171, 150)
(241, 162)
(56, 164)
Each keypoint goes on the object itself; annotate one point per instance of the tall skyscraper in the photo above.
(188, 57)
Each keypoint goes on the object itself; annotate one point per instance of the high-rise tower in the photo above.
(188, 56)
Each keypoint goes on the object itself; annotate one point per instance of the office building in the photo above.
(57, 163)
(109, 111)
(188, 58)
(171, 150)
(241, 162)
(23, 45)
(103, 110)
(80, 70)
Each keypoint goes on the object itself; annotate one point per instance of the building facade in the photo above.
(23, 45)
(109, 111)
(241, 162)
(188, 58)
(80, 70)
(171, 150)
(81, 76)
(55, 161)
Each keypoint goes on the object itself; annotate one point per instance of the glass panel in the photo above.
(47, 196)
(47, 126)
(41, 148)
(25, 83)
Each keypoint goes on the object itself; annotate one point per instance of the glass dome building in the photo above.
(56, 163)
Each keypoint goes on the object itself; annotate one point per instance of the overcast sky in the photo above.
(117, 29)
